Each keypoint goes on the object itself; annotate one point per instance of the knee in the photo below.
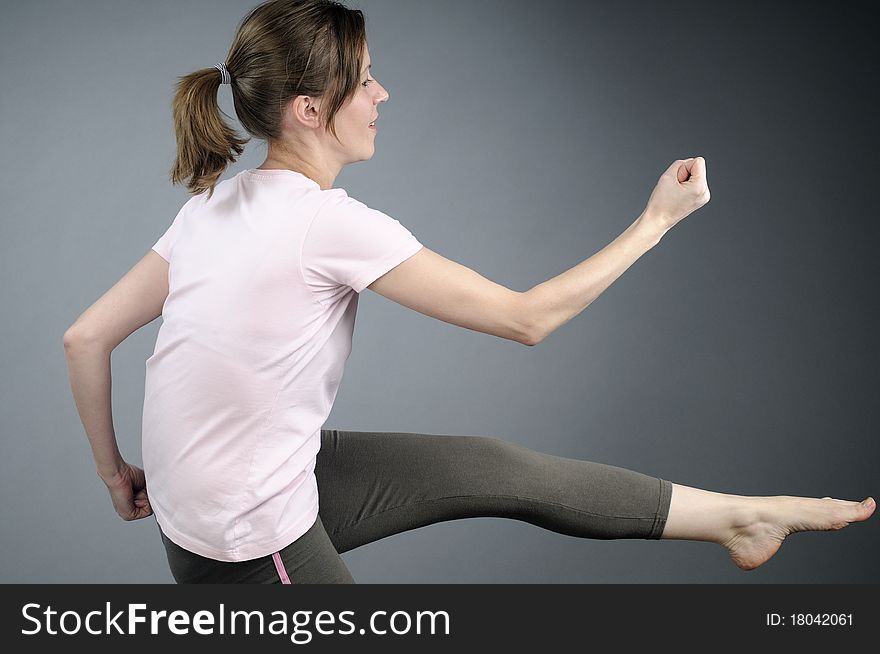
(498, 451)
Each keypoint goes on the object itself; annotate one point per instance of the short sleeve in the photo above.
(166, 242)
(351, 244)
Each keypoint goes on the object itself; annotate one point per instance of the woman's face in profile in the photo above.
(354, 118)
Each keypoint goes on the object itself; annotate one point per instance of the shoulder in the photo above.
(338, 199)
(338, 205)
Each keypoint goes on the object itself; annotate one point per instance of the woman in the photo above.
(258, 279)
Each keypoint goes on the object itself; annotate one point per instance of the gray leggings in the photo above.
(375, 484)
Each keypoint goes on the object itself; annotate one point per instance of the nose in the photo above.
(384, 95)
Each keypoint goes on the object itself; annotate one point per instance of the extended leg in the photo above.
(375, 484)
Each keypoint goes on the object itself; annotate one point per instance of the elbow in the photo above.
(531, 339)
(74, 336)
(70, 338)
(530, 336)
(527, 327)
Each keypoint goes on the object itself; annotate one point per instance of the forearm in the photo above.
(553, 303)
(89, 372)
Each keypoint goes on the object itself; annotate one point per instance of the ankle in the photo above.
(709, 516)
(744, 513)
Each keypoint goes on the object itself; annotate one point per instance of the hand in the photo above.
(128, 490)
(681, 190)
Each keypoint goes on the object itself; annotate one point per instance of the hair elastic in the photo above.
(226, 78)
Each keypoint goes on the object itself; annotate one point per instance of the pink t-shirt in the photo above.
(263, 291)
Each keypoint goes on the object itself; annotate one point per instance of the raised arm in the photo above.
(438, 287)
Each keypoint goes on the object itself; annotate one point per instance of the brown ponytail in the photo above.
(282, 49)
(206, 144)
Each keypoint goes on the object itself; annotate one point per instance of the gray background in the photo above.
(739, 355)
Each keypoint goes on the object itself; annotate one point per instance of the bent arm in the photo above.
(553, 303)
(449, 291)
(132, 302)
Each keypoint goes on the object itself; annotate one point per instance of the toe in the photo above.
(862, 510)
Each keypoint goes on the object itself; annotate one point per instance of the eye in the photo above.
(368, 80)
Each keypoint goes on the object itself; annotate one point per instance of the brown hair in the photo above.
(282, 49)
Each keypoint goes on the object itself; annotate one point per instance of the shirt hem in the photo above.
(162, 253)
(248, 552)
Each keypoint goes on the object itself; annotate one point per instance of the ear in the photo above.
(304, 110)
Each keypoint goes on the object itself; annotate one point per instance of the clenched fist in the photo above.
(681, 190)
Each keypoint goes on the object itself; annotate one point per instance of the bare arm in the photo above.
(88, 366)
(438, 287)
(449, 291)
(553, 303)
(132, 302)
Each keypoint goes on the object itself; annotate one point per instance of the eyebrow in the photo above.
(367, 68)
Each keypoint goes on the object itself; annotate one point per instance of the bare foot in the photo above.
(759, 533)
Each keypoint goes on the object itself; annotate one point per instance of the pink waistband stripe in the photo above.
(279, 566)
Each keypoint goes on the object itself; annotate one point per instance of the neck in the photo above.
(321, 172)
